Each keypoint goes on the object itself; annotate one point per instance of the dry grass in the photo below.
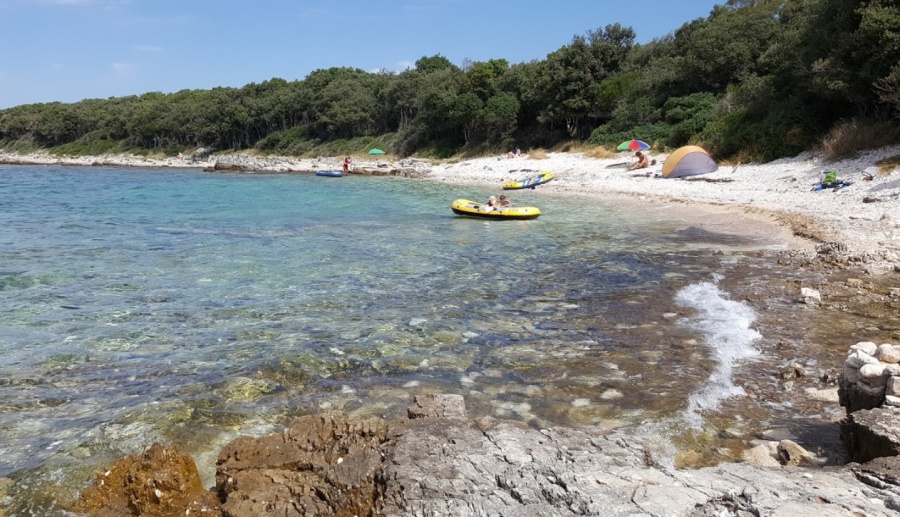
(600, 153)
(567, 147)
(589, 151)
(887, 165)
(847, 139)
(580, 147)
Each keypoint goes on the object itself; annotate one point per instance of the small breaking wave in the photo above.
(725, 325)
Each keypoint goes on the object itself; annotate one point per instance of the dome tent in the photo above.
(688, 161)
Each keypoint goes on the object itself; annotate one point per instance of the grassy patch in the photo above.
(600, 153)
(847, 139)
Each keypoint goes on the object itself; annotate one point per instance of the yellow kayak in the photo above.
(529, 182)
(476, 209)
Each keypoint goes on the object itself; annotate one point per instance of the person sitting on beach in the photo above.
(641, 161)
(503, 201)
(514, 154)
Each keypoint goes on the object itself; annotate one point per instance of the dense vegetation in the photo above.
(757, 79)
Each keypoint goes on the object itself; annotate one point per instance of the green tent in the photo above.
(376, 151)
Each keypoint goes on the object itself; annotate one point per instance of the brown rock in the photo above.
(320, 465)
(159, 482)
(438, 406)
(791, 453)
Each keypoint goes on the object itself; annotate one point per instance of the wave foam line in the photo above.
(725, 325)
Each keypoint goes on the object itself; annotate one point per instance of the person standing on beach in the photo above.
(347, 164)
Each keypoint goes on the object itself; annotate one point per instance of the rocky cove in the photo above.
(440, 461)
(437, 460)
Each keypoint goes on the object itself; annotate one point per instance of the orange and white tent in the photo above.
(688, 161)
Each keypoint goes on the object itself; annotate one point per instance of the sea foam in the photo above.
(725, 325)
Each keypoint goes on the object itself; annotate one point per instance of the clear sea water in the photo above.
(186, 307)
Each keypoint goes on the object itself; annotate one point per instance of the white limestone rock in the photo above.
(763, 455)
(810, 296)
(866, 346)
(826, 395)
(892, 386)
(888, 353)
(611, 394)
(874, 375)
(858, 358)
(791, 453)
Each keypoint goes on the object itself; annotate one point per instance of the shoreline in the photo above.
(858, 220)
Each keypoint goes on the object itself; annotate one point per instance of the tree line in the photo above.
(759, 79)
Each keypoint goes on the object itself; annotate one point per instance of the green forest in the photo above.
(755, 80)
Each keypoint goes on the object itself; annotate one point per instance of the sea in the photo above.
(144, 305)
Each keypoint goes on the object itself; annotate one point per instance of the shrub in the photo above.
(87, 148)
(738, 135)
(848, 138)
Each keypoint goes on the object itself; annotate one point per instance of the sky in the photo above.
(70, 50)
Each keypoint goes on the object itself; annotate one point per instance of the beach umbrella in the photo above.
(376, 151)
(633, 145)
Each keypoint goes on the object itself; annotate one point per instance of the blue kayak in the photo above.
(330, 174)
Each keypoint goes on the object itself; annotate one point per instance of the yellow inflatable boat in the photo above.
(476, 209)
(529, 182)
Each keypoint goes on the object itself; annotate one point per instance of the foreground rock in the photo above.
(438, 462)
(869, 389)
(318, 466)
(161, 481)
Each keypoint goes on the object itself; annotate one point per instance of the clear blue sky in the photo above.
(69, 50)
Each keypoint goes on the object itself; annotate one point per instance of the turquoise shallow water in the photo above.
(144, 305)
